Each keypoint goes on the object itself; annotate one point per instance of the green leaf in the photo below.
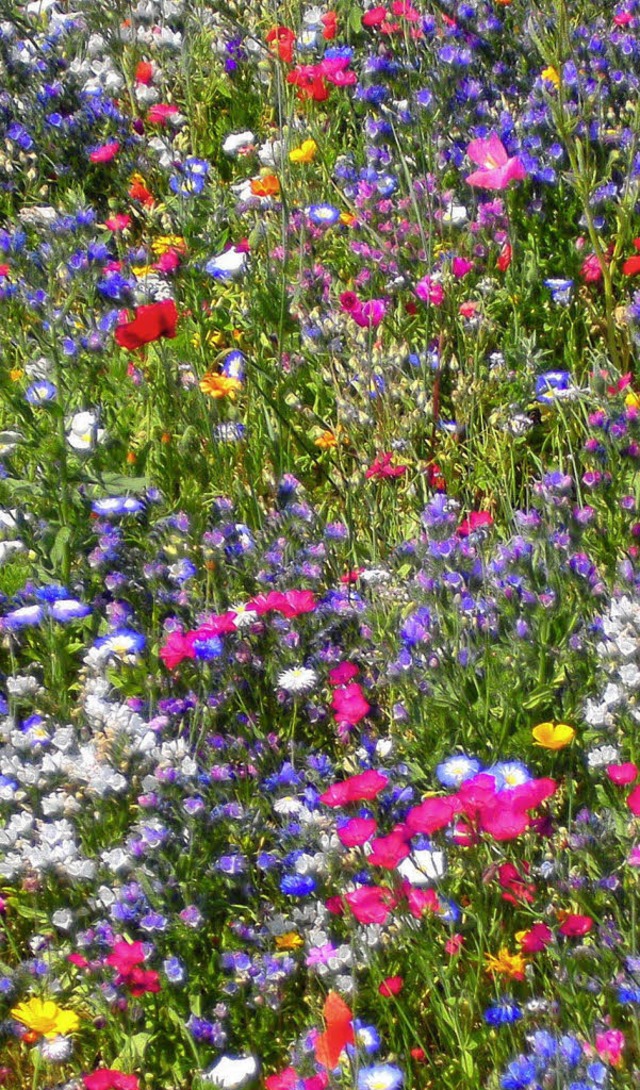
(116, 483)
(58, 548)
(132, 1055)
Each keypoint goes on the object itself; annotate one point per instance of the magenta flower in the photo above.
(497, 169)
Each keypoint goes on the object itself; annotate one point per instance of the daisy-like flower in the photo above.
(124, 644)
(298, 680)
(46, 1018)
(56, 1049)
(505, 964)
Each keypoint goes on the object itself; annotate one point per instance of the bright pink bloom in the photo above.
(536, 939)
(78, 960)
(381, 468)
(430, 291)
(622, 774)
(431, 815)
(371, 904)
(388, 851)
(393, 985)
(119, 222)
(356, 832)
(125, 956)
(454, 945)
(370, 314)
(475, 520)
(575, 926)
(420, 901)
(610, 1046)
(503, 822)
(343, 673)
(590, 270)
(460, 266)
(284, 1080)
(349, 705)
(374, 17)
(109, 1079)
(633, 801)
(177, 647)
(105, 153)
(160, 113)
(366, 785)
(497, 169)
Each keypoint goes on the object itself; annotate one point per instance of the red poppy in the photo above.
(631, 266)
(281, 39)
(504, 260)
(575, 926)
(150, 324)
(339, 1032)
(144, 72)
(391, 986)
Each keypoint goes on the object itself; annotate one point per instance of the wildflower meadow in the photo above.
(319, 545)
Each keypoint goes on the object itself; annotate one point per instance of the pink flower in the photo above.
(391, 986)
(420, 901)
(370, 314)
(498, 170)
(622, 774)
(356, 832)
(460, 266)
(381, 467)
(105, 153)
(591, 270)
(119, 222)
(536, 939)
(430, 291)
(475, 520)
(610, 1046)
(431, 815)
(349, 705)
(178, 646)
(343, 673)
(160, 113)
(575, 926)
(388, 851)
(633, 801)
(371, 904)
(285, 1080)
(109, 1079)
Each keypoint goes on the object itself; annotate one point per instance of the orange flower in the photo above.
(553, 735)
(267, 186)
(218, 386)
(291, 940)
(505, 964)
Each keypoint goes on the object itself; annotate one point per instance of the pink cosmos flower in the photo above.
(497, 169)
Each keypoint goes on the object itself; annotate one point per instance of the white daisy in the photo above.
(300, 679)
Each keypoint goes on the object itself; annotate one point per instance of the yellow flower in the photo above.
(505, 964)
(45, 1018)
(140, 271)
(347, 218)
(326, 441)
(551, 76)
(291, 940)
(632, 401)
(306, 153)
(553, 735)
(218, 386)
(16, 374)
(163, 243)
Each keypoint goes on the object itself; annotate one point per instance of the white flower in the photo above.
(84, 434)
(603, 756)
(62, 919)
(454, 215)
(231, 1072)
(9, 441)
(300, 679)
(238, 143)
(227, 265)
(56, 1049)
(422, 867)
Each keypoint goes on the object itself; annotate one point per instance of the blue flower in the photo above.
(112, 506)
(455, 770)
(24, 617)
(380, 1077)
(561, 290)
(324, 215)
(123, 643)
(519, 1075)
(69, 609)
(297, 885)
(40, 392)
(174, 970)
(552, 383)
(503, 1013)
(509, 774)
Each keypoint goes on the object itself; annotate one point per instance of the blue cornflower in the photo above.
(123, 642)
(297, 885)
(551, 384)
(174, 970)
(69, 609)
(208, 649)
(561, 290)
(503, 1013)
(629, 993)
(24, 617)
(519, 1075)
